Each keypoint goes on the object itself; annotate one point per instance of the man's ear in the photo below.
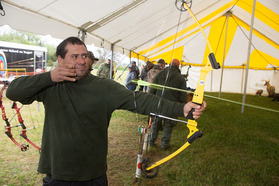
(60, 60)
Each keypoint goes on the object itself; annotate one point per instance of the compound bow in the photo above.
(150, 171)
(24, 129)
(8, 126)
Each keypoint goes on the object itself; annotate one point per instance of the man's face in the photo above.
(161, 65)
(77, 55)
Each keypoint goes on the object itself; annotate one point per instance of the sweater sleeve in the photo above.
(140, 102)
(183, 95)
(29, 88)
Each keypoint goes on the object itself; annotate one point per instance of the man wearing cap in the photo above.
(78, 109)
(92, 59)
(171, 77)
(161, 63)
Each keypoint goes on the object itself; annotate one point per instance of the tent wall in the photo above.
(233, 80)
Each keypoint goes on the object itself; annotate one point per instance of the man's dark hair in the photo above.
(61, 48)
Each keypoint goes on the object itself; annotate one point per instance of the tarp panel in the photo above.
(261, 60)
(176, 53)
(189, 28)
(257, 33)
(265, 15)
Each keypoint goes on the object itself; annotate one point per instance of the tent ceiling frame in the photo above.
(106, 19)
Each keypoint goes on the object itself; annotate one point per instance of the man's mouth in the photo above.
(80, 67)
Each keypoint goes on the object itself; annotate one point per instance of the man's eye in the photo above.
(75, 56)
(84, 56)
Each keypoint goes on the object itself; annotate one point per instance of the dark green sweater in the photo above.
(77, 115)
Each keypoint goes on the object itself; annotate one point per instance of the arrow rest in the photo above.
(180, 4)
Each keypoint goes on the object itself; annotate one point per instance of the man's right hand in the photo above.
(63, 72)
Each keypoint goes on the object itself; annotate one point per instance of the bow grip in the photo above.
(190, 114)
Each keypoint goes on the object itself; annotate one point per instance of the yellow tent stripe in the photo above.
(260, 59)
(140, 57)
(172, 44)
(220, 21)
(266, 15)
(169, 55)
(257, 33)
(232, 67)
(217, 37)
(189, 28)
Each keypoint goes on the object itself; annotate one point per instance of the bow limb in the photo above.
(193, 135)
(24, 130)
(210, 65)
(8, 127)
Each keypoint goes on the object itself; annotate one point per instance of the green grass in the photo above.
(236, 149)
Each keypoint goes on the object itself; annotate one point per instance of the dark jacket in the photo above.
(175, 79)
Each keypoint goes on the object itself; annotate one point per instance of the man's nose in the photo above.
(81, 60)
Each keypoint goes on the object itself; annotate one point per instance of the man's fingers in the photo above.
(63, 73)
(198, 109)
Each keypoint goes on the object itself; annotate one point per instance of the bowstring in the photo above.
(158, 110)
(169, 68)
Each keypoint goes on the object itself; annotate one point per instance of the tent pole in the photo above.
(242, 77)
(248, 56)
(130, 56)
(82, 34)
(228, 14)
(111, 61)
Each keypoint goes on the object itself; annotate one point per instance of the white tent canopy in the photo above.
(136, 24)
(157, 29)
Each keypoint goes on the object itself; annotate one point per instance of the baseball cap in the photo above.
(161, 61)
(92, 57)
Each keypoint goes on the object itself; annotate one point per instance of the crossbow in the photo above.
(8, 126)
(151, 170)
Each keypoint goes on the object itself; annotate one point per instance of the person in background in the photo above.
(104, 70)
(171, 77)
(91, 59)
(130, 77)
(154, 71)
(78, 109)
(135, 68)
(161, 63)
(143, 74)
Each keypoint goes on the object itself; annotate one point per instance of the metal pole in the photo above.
(248, 56)
(130, 56)
(111, 62)
(228, 14)
(82, 36)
